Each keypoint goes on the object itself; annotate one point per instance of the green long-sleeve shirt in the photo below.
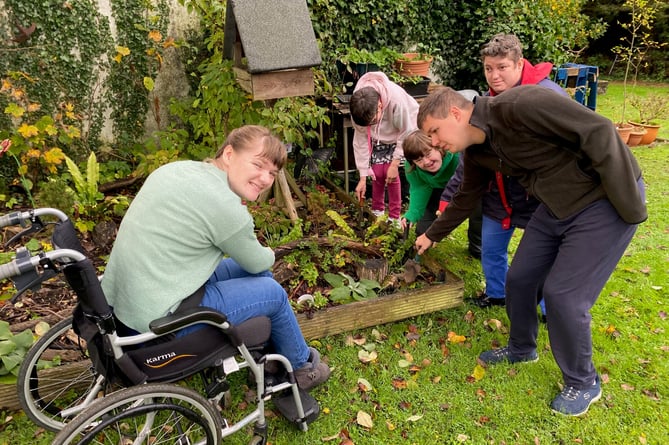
(181, 224)
(422, 183)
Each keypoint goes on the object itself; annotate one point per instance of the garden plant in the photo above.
(418, 380)
(414, 381)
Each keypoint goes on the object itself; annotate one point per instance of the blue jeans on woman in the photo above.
(495, 258)
(241, 295)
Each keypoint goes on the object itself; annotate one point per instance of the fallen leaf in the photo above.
(41, 328)
(364, 385)
(436, 379)
(455, 338)
(359, 340)
(483, 420)
(399, 383)
(369, 347)
(413, 369)
(378, 336)
(627, 387)
(493, 324)
(366, 357)
(414, 418)
(403, 363)
(462, 438)
(653, 395)
(365, 420)
(390, 426)
(479, 372)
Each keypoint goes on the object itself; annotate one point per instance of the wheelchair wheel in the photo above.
(154, 414)
(55, 375)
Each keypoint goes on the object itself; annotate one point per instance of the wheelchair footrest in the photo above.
(285, 403)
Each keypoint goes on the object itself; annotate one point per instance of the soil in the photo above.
(55, 301)
(51, 303)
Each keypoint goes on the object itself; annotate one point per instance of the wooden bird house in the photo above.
(273, 46)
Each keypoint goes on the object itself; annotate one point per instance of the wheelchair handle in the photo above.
(20, 266)
(15, 218)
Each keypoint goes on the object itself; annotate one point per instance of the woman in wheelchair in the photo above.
(189, 239)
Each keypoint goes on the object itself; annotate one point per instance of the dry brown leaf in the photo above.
(364, 420)
(399, 383)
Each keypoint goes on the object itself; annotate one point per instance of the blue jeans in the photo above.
(241, 295)
(495, 258)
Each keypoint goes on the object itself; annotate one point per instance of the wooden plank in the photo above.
(380, 310)
(276, 84)
(9, 398)
(334, 320)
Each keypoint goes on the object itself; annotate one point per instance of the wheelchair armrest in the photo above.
(184, 318)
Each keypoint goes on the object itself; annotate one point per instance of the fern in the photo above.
(341, 223)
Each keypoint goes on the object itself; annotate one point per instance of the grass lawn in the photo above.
(425, 386)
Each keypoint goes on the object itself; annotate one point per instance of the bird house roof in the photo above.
(274, 34)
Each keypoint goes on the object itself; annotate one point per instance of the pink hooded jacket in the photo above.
(399, 114)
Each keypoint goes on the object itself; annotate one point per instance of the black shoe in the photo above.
(475, 252)
(485, 301)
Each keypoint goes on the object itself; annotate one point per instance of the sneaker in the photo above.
(575, 402)
(313, 373)
(486, 301)
(504, 354)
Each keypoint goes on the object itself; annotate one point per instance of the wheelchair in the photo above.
(131, 388)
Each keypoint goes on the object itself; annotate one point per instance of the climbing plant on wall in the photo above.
(141, 29)
(551, 29)
(55, 54)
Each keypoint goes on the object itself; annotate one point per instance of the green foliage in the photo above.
(90, 204)
(13, 349)
(62, 60)
(650, 107)
(638, 40)
(134, 63)
(346, 289)
(551, 30)
(341, 223)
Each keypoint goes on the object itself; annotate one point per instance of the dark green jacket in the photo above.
(563, 153)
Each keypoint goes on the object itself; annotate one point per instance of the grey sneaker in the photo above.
(576, 402)
(313, 373)
(494, 356)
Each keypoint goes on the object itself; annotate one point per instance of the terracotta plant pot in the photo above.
(408, 65)
(624, 131)
(651, 132)
(636, 135)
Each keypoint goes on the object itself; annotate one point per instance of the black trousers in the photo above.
(573, 258)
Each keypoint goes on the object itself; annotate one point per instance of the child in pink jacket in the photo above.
(383, 114)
